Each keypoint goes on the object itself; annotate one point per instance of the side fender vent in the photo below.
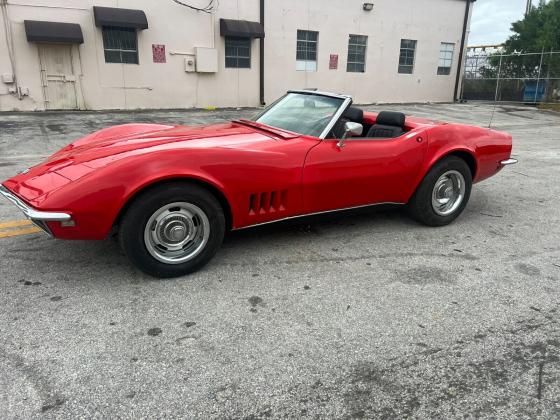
(268, 202)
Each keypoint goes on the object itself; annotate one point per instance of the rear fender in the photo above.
(444, 141)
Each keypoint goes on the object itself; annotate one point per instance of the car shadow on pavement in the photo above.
(94, 260)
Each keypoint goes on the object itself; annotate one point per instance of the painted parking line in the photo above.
(20, 232)
(17, 228)
(15, 223)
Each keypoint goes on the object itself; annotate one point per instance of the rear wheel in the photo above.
(443, 193)
(172, 230)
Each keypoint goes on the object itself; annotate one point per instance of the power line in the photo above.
(207, 9)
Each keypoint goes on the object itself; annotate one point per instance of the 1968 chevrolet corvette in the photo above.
(173, 191)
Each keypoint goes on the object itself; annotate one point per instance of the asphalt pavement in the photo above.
(355, 315)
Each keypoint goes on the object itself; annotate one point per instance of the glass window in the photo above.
(306, 50)
(357, 45)
(238, 53)
(445, 58)
(120, 45)
(406, 57)
(301, 113)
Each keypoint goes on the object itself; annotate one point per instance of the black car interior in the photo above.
(351, 114)
(388, 124)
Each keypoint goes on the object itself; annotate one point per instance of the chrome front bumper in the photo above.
(510, 161)
(39, 218)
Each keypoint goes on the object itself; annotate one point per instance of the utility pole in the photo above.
(528, 7)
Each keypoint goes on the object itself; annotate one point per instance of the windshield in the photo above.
(301, 113)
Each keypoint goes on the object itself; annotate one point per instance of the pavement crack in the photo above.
(491, 215)
(539, 382)
(56, 403)
(319, 259)
(49, 397)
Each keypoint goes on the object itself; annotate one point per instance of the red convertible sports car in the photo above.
(173, 191)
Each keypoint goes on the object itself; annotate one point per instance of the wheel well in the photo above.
(209, 187)
(468, 158)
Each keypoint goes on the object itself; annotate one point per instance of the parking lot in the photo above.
(354, 315)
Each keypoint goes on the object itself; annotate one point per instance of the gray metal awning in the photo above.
(59, 32)
(241, 28)
(126, 18)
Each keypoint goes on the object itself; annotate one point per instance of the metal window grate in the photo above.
(238, 53)
(406, 57)
(120, 45)
(445, 58)
(357, 46)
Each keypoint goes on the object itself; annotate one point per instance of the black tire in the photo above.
(420, 206)
(149, 203)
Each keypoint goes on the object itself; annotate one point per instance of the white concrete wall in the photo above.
(166, 85)
(430, 22)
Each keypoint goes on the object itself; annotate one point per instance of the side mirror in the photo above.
(350, 129)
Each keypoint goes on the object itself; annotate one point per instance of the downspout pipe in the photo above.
(9, 43)
(462, 50)
(261, 57)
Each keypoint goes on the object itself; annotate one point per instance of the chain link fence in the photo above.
(532, 78)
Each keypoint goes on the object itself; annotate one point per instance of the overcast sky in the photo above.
(492, 19)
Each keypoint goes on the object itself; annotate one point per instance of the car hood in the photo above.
(98, 149)
(125, 138)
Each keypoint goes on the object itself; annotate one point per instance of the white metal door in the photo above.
(57, 76)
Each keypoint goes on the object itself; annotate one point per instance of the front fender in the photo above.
(96, 199)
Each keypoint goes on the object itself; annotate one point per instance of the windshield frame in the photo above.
(346, 102)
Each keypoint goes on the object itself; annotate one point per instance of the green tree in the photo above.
(522, 59)
(538, 32)
(540, 29)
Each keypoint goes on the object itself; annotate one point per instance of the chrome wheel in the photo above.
(448, 193)
(177, 233)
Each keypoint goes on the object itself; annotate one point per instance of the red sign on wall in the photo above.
(333, 62)
(158, 51)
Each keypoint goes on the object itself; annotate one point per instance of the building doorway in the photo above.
(57, 76)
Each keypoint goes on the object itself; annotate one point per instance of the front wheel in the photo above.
(443, 193)
(172, 230)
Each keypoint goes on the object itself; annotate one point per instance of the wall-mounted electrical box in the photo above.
(206, 60)
(190, 63)
(8, 78)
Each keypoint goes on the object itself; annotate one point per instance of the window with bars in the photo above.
(357, 45)
(306, 53)
(445, 58)
(120, 45)
(238, 52)
(406, 57)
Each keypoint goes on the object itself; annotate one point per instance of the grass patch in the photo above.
(552, 107)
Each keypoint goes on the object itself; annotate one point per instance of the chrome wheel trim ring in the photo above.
(176, 233)
(448, 193)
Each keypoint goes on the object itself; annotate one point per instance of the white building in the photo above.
(128, 54)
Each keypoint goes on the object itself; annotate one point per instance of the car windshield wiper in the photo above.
(276, 131)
